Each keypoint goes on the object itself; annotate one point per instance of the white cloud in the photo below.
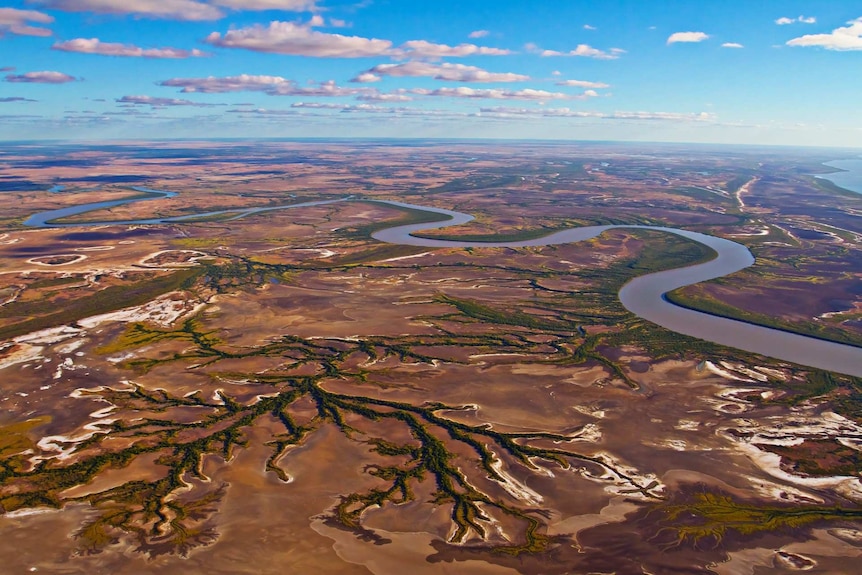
(318, 105)
(193, 10)
(446, 71)
(584, 50)
(583, 84)
(366, 78)
(324, 89)
(841, 39)
(300, 40)
(784, 20)
(671, 116)
(372, 109)
(385, 97)
(286, 5)
(423, 49)
(45, 77)
(159, 102)
(15, 21)
(270, 85)
(687, 37)
(96, 46)
(263, 112)
(499, 94)
(503, 111)
(171, 9)
(569, 113)
(732, 45)
(588, 27)
(478, 34)
(241, 83)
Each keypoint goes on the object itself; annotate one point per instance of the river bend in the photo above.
(643, 296)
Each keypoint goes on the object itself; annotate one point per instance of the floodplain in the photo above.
(283, 391)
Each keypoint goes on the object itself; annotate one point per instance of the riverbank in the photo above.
(643, 296)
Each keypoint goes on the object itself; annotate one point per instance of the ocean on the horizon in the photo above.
(850, 179)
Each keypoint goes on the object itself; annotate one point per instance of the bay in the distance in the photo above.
(850, 178)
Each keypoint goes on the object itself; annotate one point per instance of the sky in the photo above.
(767, 72)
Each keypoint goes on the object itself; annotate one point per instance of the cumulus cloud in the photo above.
(732, 45)
(159, 102)
(324, 89)
(216, 85)
(423, 49)
(366, 78)
(192, 10)
(170, 9)
(841, 39)
(585, 51)
(784, 20)
(271, 85)
(687, 37)
(499, 94)
(286, 5)
(14, 21)
(583, 84)
(446, 71)
(300, 40)
(384, 97)
(96, 46)
(44, 77)
(478, 34)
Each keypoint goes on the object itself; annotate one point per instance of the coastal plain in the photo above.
(246, 392)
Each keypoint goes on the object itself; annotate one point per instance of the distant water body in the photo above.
(850, 179)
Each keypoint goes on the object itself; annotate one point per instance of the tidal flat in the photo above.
(284, 391)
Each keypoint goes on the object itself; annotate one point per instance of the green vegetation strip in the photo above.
(711, 517)
(104, 301)
(150, 513)
(408, 216)
(712, 306)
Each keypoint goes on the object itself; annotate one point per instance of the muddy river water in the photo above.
(643, 296)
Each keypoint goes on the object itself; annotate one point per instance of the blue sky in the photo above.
(765, 72)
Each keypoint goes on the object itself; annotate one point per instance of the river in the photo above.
(643, 296)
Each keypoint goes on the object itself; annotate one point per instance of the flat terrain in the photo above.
(281, 391)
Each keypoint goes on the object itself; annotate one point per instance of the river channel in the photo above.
(643, 296)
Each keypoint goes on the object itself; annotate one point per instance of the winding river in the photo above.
(643, 296)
